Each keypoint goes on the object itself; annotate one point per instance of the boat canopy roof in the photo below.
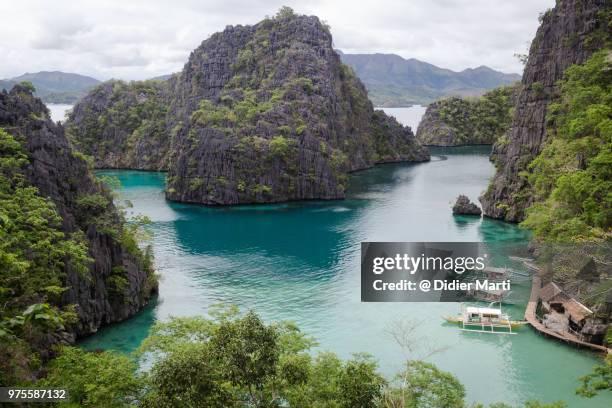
(483, 310)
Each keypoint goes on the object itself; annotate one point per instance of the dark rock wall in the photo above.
(64, 177)
(323, 114)
(565, 37)
(123, 125)
(433, 130)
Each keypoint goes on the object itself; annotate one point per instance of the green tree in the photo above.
(248, 352)
(94, 379)
(252, 364)
(189, 377)
(28, 85)
(359, 383)
(422, 384)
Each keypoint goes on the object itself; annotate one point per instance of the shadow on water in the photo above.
(133, 332)
(280, 230)
(467, 221)
(479, 150)
(240, 232)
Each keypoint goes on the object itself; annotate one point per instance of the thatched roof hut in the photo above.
(555, 298)
(577, 311)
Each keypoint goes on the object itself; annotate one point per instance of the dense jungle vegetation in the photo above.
(571, 180)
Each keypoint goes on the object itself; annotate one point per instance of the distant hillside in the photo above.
(55, 86)
(162, 77)
(394, 81)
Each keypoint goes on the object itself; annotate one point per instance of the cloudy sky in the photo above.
(137, 39)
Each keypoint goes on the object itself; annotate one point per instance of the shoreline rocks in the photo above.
(463, 206)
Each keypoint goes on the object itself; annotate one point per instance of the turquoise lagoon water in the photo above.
(300, 261)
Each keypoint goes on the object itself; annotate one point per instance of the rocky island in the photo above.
(259, 114)
(463, 206)
(468, 121)
(123, 125)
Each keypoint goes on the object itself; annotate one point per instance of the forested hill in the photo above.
(394, 81)
(54, 86)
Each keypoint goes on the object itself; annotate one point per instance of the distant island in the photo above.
(468, 121)
(393, 81)
(54, 86)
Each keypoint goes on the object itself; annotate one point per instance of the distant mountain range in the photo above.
(55, 86)
(394, 81)
(390, 79)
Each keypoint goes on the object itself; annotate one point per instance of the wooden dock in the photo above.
(532, 318)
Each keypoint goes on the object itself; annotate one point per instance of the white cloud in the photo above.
(138, 39)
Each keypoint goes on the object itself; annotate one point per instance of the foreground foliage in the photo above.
(233, 360)
(99, 379)
(36, 256)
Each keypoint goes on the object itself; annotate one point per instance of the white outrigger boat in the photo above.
(485, 320)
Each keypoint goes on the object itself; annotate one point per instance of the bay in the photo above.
(300, 261)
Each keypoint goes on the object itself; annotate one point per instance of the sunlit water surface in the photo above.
(300, 261)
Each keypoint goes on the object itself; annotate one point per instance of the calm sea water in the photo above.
(58, 111)
(407, 116)
(300, 262)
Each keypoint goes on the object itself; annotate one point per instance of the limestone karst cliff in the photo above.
(261, 113)
(123, 125)
(37, 161)
(569, 34)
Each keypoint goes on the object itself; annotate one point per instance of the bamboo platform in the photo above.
(531, 317)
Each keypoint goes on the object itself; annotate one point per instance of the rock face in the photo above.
(463, 206)
(63, 176)
(123, 125)
(476, 121)
(566, 36)
(261, 114)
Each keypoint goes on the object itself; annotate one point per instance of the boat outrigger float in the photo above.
(485, 320)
